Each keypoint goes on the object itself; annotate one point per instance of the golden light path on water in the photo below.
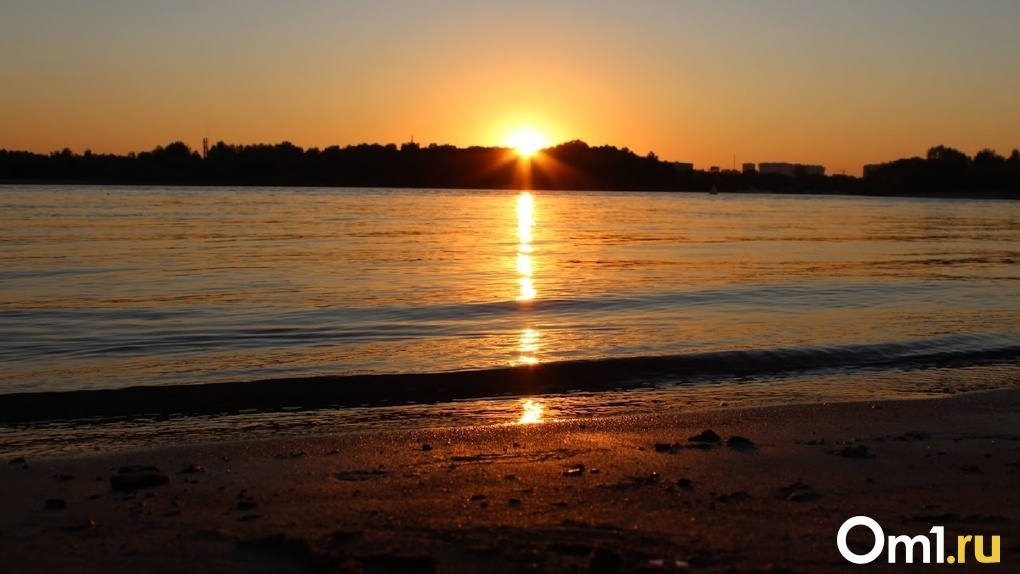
(525, 221)
(528, 347)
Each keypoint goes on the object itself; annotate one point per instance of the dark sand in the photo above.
(516, 498)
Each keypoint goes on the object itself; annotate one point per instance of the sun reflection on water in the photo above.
(528, 348)
(532, 412)
(525, 221)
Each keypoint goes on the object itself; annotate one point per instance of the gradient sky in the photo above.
(839, 83)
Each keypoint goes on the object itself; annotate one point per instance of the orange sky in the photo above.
(839, 84)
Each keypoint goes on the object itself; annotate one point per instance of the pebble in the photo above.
(859, 451)
(803, 496)
(738, 495)
(87, 524)
(55, 504)
(708, 435)
(245, 501)
(135, 477)
(736, 441)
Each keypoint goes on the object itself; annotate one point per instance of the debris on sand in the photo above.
(576, 470)
(55, 504)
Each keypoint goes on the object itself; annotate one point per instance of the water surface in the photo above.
(114, 287)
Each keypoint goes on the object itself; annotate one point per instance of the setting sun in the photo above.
(527, 141)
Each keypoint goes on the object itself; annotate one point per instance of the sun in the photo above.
(526, 141)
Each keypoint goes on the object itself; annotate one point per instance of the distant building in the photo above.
(748, 168)
(870, 169)
(790, 169)
(683, 167)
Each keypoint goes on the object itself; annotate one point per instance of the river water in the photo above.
(110, 287)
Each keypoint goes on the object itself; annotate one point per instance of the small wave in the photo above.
(560, 377)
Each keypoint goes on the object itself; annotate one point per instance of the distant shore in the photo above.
(573, 165)
(995, 195)
(765, 491)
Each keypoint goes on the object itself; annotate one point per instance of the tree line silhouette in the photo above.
(573, 165)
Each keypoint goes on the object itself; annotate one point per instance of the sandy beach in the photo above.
(629, 494)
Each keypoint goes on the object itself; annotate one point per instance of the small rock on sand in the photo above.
(55, 504)
(803, 496)
(245, 501)
(731, 496)
(706, 436)
(737, 441)
(859, 451)
(136, 477)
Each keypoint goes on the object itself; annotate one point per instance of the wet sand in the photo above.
(617, 494)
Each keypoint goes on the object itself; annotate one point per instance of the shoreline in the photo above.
(558, 377)
(142, 428)
(517, 498)
(978, 194)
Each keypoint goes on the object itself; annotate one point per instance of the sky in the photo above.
(715, 82)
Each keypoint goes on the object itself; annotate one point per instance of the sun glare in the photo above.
(527, 141)
(532, 413)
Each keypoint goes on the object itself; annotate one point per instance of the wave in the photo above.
(85, 332)
(337, 391)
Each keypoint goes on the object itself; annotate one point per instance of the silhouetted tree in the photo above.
(570, 165)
